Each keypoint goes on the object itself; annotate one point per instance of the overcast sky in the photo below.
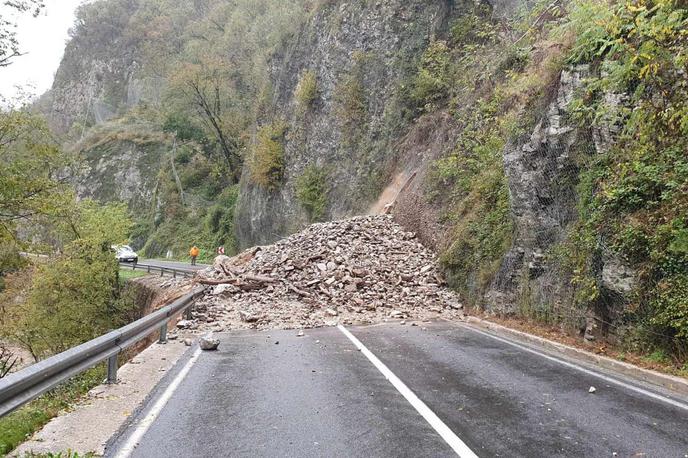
(43, 40)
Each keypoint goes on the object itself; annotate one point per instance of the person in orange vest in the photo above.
(193, 252)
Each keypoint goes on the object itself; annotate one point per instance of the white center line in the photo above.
(128, 448)
(438, 425)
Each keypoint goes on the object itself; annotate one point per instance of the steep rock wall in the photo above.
(542, 176)
(377, 43)
(118, 166)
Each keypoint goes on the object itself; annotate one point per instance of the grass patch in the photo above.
(129, 274)
(267, 164)
(311, 191)
(307, 90)
(18, 426)
(351, 106)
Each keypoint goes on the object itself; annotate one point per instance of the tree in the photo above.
(9, 45)
(204, 88)
(33, 182)
(77, 295)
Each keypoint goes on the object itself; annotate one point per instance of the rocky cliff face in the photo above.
(347, 46)
(542, 175)
(118, 166)
(99, 64)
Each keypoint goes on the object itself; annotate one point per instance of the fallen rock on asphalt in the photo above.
(208, 343)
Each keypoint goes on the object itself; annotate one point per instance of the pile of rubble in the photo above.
(361, 270)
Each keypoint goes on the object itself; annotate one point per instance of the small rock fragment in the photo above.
(208, 343)
(247, 317)
(592, 389)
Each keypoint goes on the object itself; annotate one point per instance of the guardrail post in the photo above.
(148, 269)
(162, 270)
(187, 313)
(163, 333)
(112, 369)
(174, 273)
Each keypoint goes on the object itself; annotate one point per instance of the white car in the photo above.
(124, 253)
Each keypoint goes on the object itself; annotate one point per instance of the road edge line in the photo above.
(459, 447)
(144, 425)
(669, 382)
(573, 365)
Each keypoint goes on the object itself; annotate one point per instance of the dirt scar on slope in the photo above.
(391, 192)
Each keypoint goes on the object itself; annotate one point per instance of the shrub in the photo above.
(10, 260)
(184, 156)
(307, 90)
(195, 174)
(183, 127)
(311, 191)
(351, 107)
(75, 297)
(219, 222)
(267, 163)
(638, 202)
(433, 79)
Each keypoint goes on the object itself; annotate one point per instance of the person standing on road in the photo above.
(193, 252)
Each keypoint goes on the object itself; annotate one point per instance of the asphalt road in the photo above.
(173, 264)
(318, 395)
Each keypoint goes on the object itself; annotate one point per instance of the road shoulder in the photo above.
(91, 423)
(675, 385)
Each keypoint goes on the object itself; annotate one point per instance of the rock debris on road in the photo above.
(356, 271)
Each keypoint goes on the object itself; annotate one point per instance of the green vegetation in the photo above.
(267, 162)
(219, 223)
(76, 296)
(479, 204)
(197, 109)
(431, 84)
(29, 183)
(307, 90)
(639, 203)
(10, 261)
(350, 99)
(16, 427)
(493, 97)
(51, 306)
(130, 274)
(632, 197)
(311, 191)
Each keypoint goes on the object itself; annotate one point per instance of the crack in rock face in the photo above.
(355, 271)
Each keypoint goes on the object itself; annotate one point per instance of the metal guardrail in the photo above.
(20, 387)
(162, 270)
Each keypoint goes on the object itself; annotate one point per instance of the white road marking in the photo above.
(128, 448)
(628, 386)
(438, 425)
